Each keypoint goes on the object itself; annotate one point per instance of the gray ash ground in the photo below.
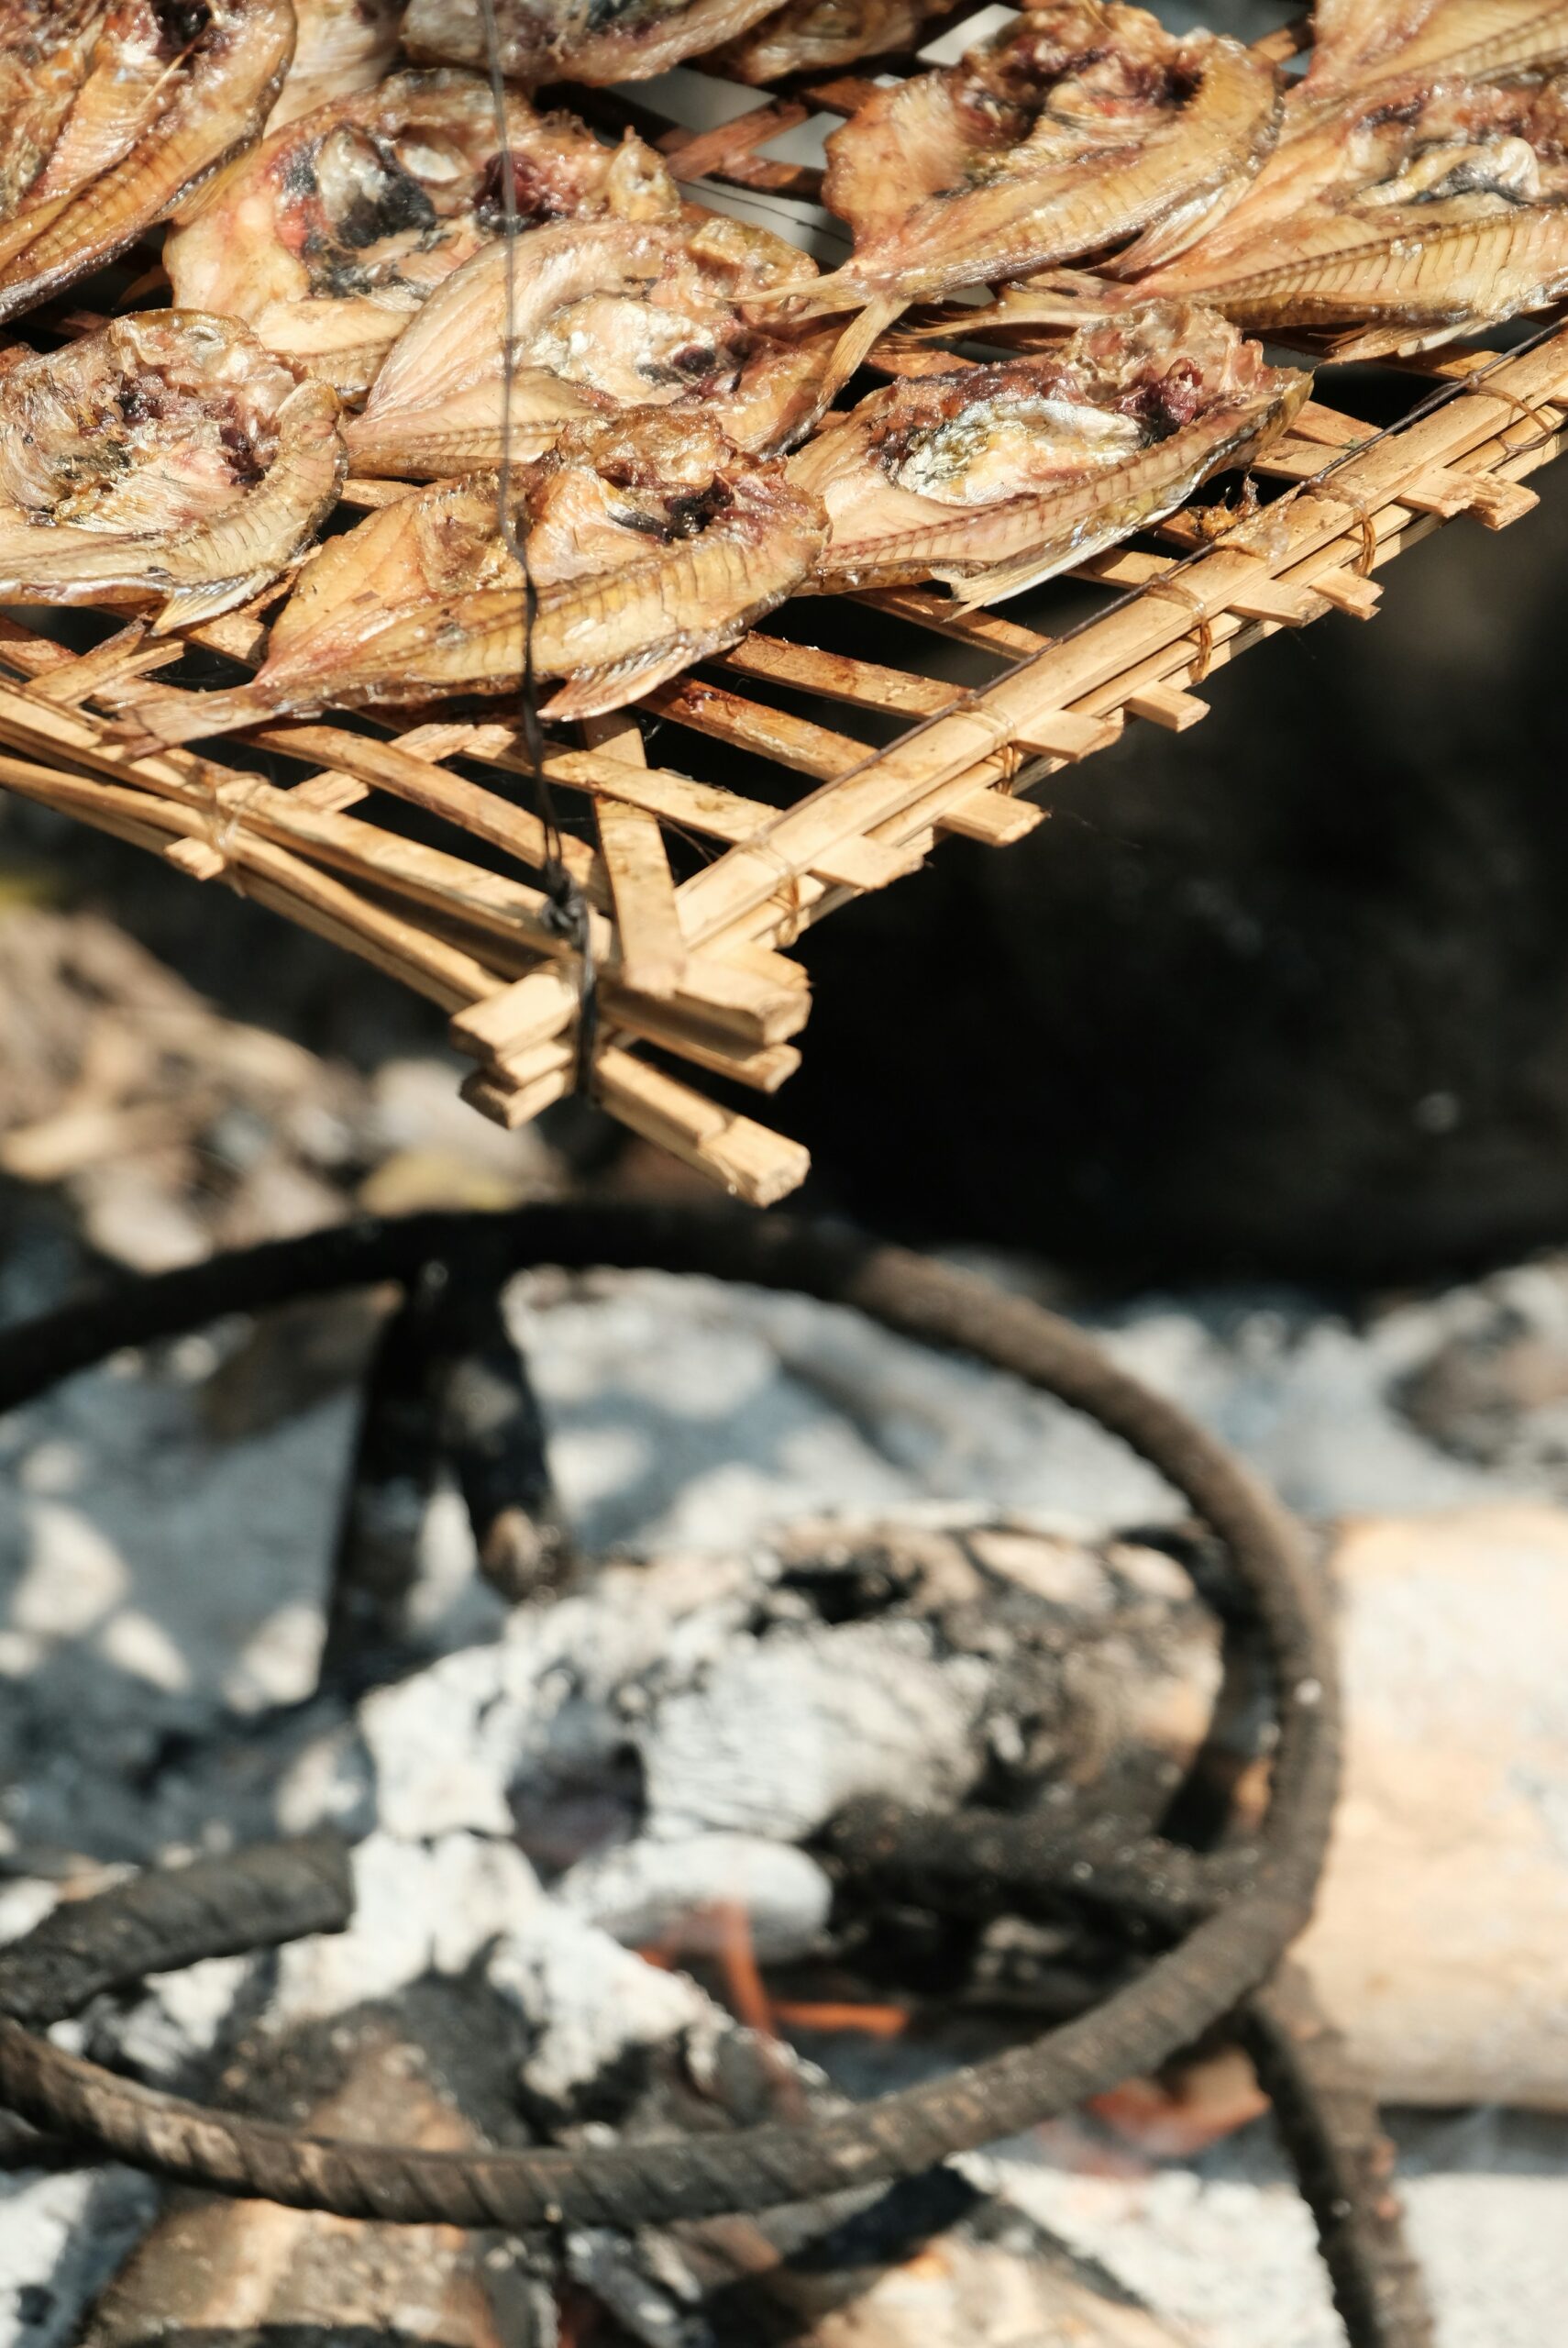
(162, 1584)
(166, 1526)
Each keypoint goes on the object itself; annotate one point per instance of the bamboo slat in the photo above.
(699, 883)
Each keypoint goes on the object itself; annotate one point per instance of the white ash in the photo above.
(739, 1703)
(776, 1738)
(61, 2238)
(589, 1999)
(682, 1414)
(653, 1894)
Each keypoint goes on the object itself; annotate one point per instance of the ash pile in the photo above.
(608, 1866)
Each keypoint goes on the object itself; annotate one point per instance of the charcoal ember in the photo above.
(214, 2264)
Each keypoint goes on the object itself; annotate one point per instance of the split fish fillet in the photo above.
(652, 543)
(330, 235)
(604, 316)
(1359, 42)
(110, 117)
(995, 478)
(166, 459)
(1423, 210)
(1083, 128)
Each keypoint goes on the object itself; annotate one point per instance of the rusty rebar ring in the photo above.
(1186, 1990)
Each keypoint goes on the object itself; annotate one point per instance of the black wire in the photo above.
(567, 913)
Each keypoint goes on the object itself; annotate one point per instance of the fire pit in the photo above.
(693, 2172)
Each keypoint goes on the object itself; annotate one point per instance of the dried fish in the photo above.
(1359, 42)
(995, 478)
(1422, 211)
(166, 459)
(115, 114)
(342, 46)
(1086, 126)
(652, 543)
(583, 40)
(819, 36)
(605, 315)
(328, 238)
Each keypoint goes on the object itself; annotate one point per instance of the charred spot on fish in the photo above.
(603, 16)
(399, 203)
(1396, 110)
(1027, 65)
(244, 462)
(365, 192)
(646, 525)
(180, 24)
(535, 199)
(1166, 404)
(691, 510)
(139, 402)
(296, 176)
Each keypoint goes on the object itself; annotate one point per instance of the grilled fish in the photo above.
(652, 543)
(1359, 42)
(166, 459)
(112, 115)
(583, 40)
(330, 235)
(342, 46)
(605, 315)
(1085, 127)
(819, 36)
(1421, 211)
(995, 478)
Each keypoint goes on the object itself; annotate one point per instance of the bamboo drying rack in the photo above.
(697, 969)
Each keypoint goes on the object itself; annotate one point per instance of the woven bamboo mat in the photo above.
(725, 816)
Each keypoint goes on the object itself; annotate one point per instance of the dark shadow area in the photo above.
(1287, 994)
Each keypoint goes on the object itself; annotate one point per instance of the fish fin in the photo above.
(1174, 232)
(1064, 297)
(165, 720)
(855, 344)
(593, 692)
(992, 585)
(842, 288)
(1380, 342)
(188, 606)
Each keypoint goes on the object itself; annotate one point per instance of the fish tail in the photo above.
(188, 606)
(841, 289)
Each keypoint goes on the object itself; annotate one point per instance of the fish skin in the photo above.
(1017, 159)
(579, 40)
(328, 238)
(46, 52)
(121, 95)
(1421, 209)
(1394, 294)
(823, 35)
(122, 465)
(1357, 43)
(1197, 394)
(341, 48)
(602, 311)
(218, 94)
(669, 546)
